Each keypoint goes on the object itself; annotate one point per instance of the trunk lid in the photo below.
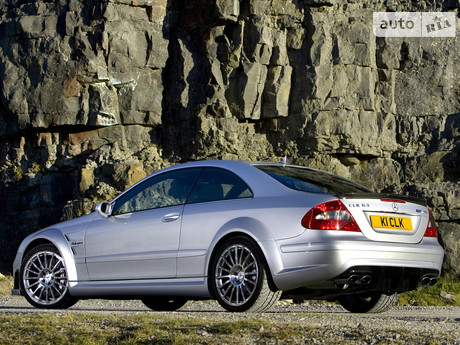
(388, 217)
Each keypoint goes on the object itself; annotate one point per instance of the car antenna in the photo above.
(284, 161)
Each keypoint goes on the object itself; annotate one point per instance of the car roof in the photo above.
(260, 183)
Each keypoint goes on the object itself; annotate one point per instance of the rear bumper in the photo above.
(316, 264)
(367, 279)
(385, 279)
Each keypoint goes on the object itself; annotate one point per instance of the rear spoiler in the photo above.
(371, 195)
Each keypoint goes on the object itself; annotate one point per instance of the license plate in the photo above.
(392, 223)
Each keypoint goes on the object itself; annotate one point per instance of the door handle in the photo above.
(171, 217)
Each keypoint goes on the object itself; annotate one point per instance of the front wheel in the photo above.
(369, 302)
(44, 279)
(238, 277)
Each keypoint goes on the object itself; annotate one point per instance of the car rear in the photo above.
(355, 240)
(395, 247)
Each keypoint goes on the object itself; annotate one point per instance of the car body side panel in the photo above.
(57, 235)
(189, 287)
(138, 245)
(204, 224)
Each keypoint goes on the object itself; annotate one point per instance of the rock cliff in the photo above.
(97, 94)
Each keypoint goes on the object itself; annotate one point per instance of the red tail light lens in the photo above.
(393, 200)
(431, 229)
(331, 215)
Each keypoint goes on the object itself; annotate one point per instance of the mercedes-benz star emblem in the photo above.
(395, 207)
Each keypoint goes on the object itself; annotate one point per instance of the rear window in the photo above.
(312, 181)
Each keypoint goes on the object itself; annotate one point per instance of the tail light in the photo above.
(393, 200)
(331, 215)
(431, 229)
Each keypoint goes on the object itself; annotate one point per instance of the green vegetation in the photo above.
(166, 328)
(36, 168)
(113, 329)
(6, 284)
(155, 328)
(148, 328)
(18, 174)
(143, 328)
(432, 295)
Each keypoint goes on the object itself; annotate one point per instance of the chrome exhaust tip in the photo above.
(433, 281)
(366, 279)
(353, 279)
(425, 281)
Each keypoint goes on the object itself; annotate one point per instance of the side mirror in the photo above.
(104, 208)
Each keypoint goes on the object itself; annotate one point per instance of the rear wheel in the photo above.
(164, 303)
(44, 279)
(368, 303)
(238, 277)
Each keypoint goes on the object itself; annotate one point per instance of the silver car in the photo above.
(245, 234)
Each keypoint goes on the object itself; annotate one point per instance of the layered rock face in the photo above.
(96, 95)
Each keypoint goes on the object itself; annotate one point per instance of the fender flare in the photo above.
(57, 239)
(253, 229)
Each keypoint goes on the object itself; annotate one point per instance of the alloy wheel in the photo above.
(45, 278)
(237, 273)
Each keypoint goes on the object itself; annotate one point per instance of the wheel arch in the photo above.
(37, 242)
(255, 231)
(55, 238)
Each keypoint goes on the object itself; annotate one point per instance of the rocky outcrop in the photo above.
(97, 94)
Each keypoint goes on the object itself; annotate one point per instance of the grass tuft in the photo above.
(434, 295)
(149, 328)
(82, 329)
(6, 284)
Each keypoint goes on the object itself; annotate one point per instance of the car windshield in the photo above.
(312, 181)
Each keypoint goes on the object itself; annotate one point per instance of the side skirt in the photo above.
(190, 287)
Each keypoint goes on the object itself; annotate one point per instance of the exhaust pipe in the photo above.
(366, 279)
(358, 279)
(425, 281)
(353, 279)
(433, 281)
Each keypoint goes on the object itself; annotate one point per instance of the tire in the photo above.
(369, 303)
(160, 303)
(44, 280)
(238, 277)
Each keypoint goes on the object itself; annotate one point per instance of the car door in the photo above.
(140, 239)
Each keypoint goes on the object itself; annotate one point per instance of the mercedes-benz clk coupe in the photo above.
(244, 234)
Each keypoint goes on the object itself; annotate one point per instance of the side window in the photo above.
(218, 184)
(168, 189)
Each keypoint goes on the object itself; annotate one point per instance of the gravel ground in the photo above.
(418, 325)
